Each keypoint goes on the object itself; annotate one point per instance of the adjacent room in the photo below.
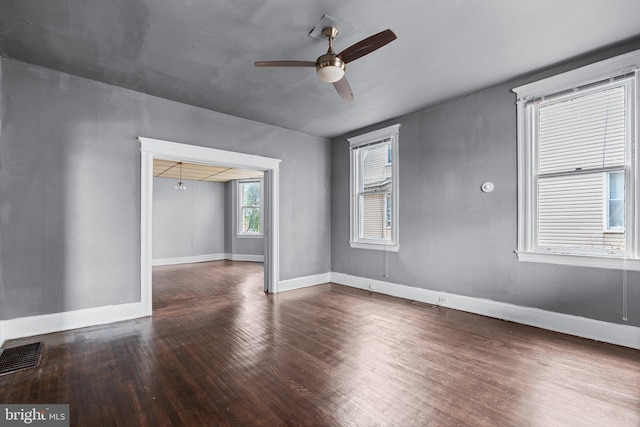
(324, 214)
(203, 213)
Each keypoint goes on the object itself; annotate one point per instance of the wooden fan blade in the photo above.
(344, 89)
(285, 64)
(367, 46)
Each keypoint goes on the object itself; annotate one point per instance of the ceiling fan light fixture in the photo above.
(330, 68)
(330, 74)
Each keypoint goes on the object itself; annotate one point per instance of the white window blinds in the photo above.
(581, 138)
(584, 132)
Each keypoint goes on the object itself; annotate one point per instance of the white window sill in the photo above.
(389, 247)
(581, 260)
(249, 236)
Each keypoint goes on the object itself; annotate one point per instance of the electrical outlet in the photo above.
(443, 300)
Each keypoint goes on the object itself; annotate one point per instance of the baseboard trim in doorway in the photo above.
(206, 258)
(303, 282)
(241, 257)
(612, 333)
(189, 259)
(55, 322)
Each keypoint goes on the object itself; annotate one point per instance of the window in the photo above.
(249, 208)
(374, 190)
(578, 167)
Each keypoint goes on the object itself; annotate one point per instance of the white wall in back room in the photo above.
(188, 224)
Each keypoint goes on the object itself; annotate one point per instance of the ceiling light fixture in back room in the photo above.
(180, 185)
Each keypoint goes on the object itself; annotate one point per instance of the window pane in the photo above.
(250, 194)
(583, 132)
(375, 170)
(251, 220)
(616, 186)
(249, 207)
(615, 207)
(616, 214)
(375, 189)
(571, 214)
(387, 208)
(373, 217)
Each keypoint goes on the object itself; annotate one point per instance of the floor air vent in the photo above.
(19, 358)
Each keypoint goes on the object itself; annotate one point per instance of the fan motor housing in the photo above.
(330, 59)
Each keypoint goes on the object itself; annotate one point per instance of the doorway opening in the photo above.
(154, 148)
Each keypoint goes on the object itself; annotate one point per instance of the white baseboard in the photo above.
(303, 282)
(189, 259)
(613, 333)
(205, 258)
(240, 257)
(55, 322)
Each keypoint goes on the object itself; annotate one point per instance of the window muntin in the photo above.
(249, 207)
(374, 190)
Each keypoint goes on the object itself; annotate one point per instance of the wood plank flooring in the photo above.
(220, 352)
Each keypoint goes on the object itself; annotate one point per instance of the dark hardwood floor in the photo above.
(220, 352)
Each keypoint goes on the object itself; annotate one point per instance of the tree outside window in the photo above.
(249, 193)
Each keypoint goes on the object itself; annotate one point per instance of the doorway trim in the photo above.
(155, 148)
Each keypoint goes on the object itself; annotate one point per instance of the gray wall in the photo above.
(70, 187)
(453, 237)
(188, 223)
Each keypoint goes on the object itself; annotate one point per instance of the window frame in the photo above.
(564, 84)
(390, 133)
(537, 176)
(240, 209)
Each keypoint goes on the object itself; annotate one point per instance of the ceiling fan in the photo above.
(331, 67)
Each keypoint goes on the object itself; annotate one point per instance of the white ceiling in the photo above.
(201, 52)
